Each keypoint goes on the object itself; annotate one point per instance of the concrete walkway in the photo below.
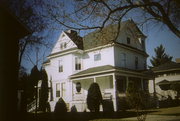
(155, 118)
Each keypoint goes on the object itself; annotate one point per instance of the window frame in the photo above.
(58, 90)
(78, 63)
(136, 62)
(123, 60)
(128, 40)
(60, 67)
(97, 57)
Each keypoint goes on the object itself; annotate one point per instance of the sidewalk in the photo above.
(155, 118)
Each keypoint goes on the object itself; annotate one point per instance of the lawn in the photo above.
(161, 114)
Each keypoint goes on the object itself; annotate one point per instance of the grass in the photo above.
(172, 111)
(111, 120)
(162, 114)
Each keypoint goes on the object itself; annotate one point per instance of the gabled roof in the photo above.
(167, 67)
(75, 38)
(99, 37)
(102, 37)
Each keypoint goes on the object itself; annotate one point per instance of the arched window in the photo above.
(78, 86)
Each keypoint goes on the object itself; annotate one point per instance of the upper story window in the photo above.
(60, 66)
(77, 63)
(57, 89)
(128, 40)
(123, 60)
(136, 62)
(145, 65)
(97, 57)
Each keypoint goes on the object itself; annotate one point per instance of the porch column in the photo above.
(114, 93)
(94, 79)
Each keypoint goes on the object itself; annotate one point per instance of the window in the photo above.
(77, 63)
(128, 40)
(122, 60)
(121, 84)
(145, 65)
(136, 62)
(58, 90)
(145, 84)
(78, 86)
(60, 66)
(143, 44)
(97, 57)
(63, 45)
(63, 89)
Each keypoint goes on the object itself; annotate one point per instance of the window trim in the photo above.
(60, 67)
(77, 63)
(128, 40)
(58, 94)
(123, 59)
(97, 57)
(136, 62)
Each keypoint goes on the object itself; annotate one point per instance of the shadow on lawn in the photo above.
(79, 116)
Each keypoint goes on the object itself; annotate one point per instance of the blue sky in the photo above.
(165, 37)
(156, 35)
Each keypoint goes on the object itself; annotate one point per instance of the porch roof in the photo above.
(107, 69)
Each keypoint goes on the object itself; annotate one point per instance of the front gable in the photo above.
(63, 43)
(131, 36)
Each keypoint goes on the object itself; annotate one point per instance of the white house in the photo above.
(101, 56)
(165, 75)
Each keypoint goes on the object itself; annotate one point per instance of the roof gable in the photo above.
(63, 43)
(108, 35)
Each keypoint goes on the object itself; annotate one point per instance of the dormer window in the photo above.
(128, 40)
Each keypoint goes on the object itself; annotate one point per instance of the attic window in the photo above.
(63, 35)
(63, 45)
(128, 40)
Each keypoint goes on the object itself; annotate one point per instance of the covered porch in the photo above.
(113, 83)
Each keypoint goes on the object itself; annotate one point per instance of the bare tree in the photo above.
(102, 12)
(26, 14)
(87, 15)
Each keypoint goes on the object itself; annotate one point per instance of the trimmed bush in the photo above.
(94, 97)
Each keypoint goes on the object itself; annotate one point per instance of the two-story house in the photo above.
(103, 56)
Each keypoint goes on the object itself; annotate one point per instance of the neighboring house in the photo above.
(165, 75)
(97, 57)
